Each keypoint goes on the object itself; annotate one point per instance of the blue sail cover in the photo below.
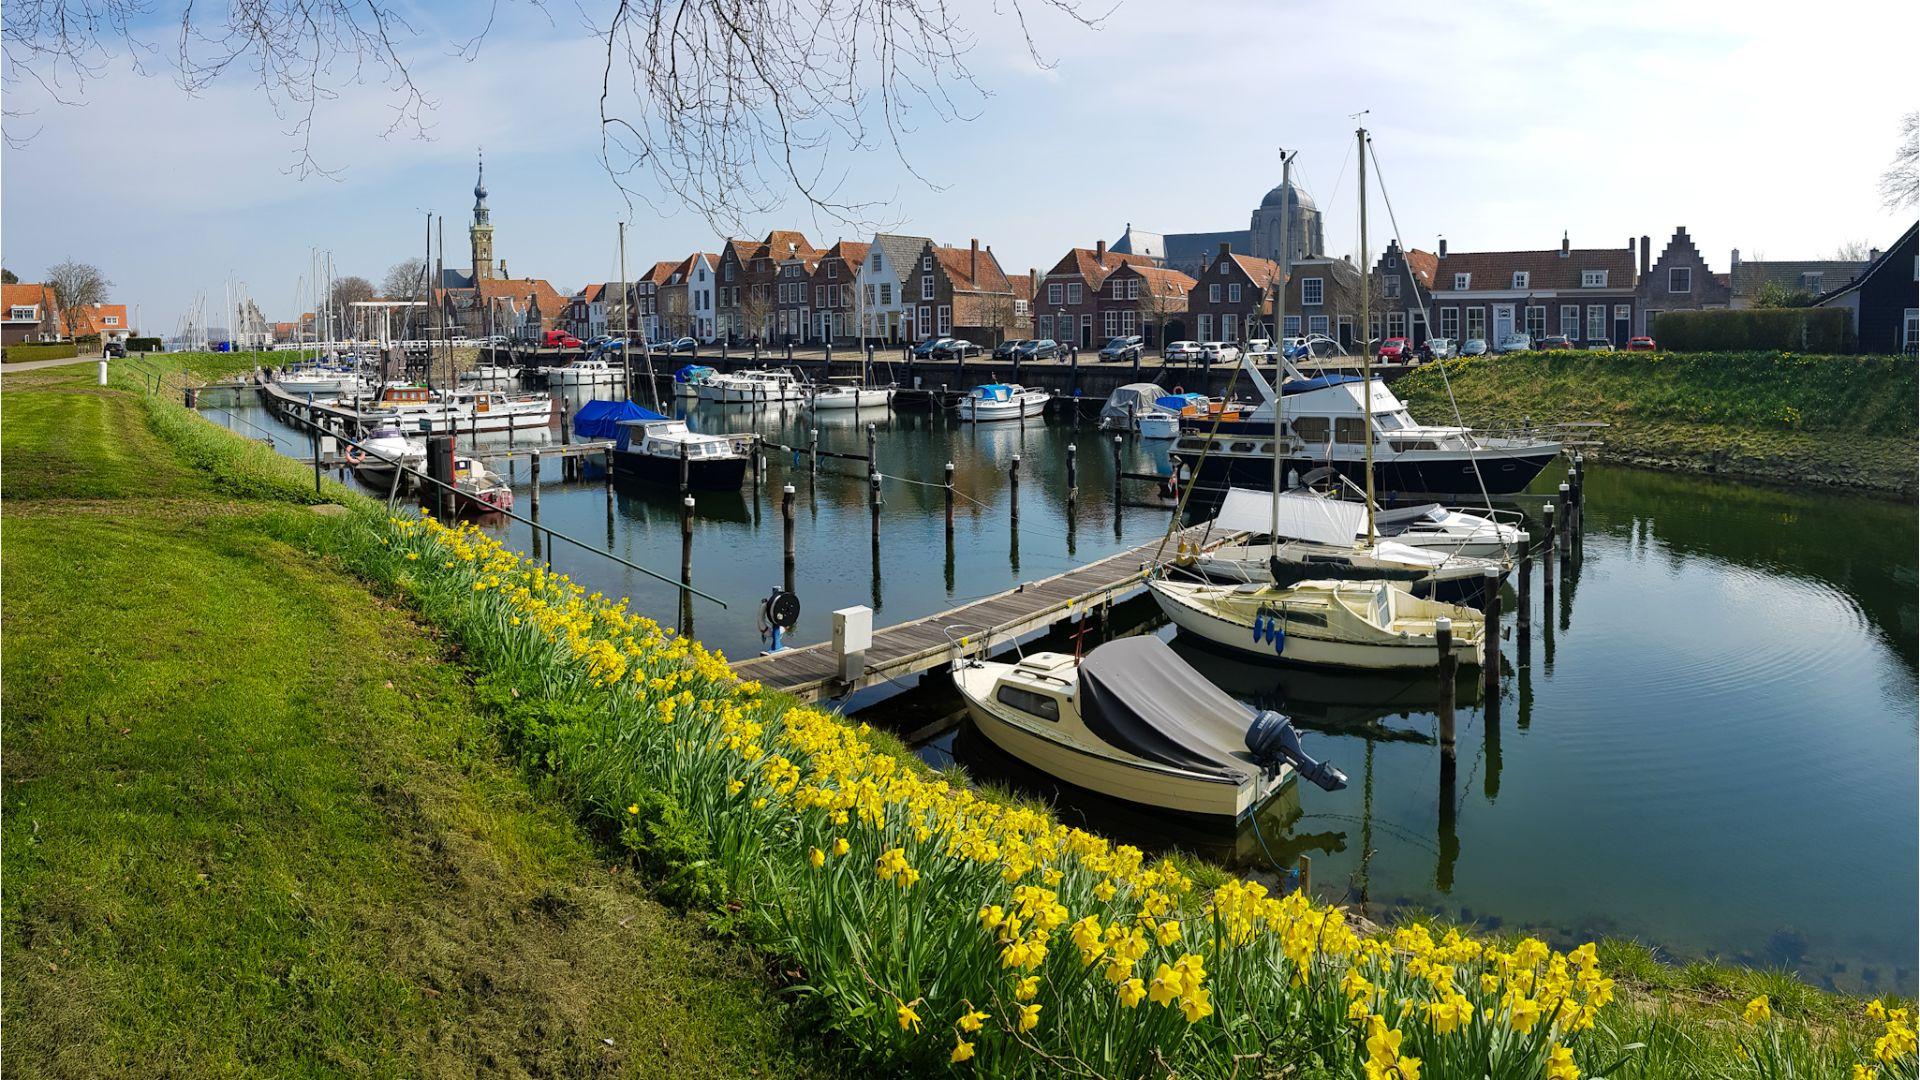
(993, 392)
(601, 420)
(1180, 402)
(689, 372)
(1303, 385)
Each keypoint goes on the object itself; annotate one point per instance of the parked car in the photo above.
(558, 339)
(1641, 344)
(1006, 349)
(113, 349)
(1438, 348)
(1259, 346)
(1181, 350)
(956, 349)
(1220, 351)
(1395, 348)
(1601, 346)
(1554, 342)
(1474, 347)
(1514, 343)
(1129, 347)
(1037, 349)
(680, 345)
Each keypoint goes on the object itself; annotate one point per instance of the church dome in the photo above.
(1278, 195)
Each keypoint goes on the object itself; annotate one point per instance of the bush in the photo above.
(1828, 330)
(60, 350)
(144, 344)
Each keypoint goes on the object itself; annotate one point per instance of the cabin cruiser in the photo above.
(663, 451)
(1002, 401)
(1323, 424)
(1371, 625)
(753, 387)
(1457, 532)
(588, 372)
(686, 381)
(490, 373)
(384, 449)
(842, 396)
(1133, 721)
(317, 380)
(424, 409)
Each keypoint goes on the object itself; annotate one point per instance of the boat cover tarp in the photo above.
(1388, 522)
(1140, 395)
(687, 373)
(1302, 516)
(602, 419)
(993, 392)
(1138, 695)
(1180, 403)
(1301, 386)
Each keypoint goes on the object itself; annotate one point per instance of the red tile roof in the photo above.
(1423, 264)
(28, 294)
(958, 263)
(1546, 269)
(1261, 272)
(92, 320)
(1089, 267)
(1161, 279)
(660, 273)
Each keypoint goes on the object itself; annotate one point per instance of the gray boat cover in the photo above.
(1394, 522)
(1138, 695)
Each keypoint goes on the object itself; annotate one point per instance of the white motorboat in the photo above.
(482, 489)
(322, 381)
(383, 450)
(420, 409)
(1002, 401)
(753, 388)
(1128, 404)
(590, 372)
(831, 397)
(1345, 624)
(1456, 532)
(686, 381)
(491, 374)
(1133, 721)
(1159, 425)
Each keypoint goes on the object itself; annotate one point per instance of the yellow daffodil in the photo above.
(1560, 1064)
(817, 857)
(1029, 1017)
(962, 1051)
(1758, 1011)
(909, 1020)
(970, 1022)
(1027, 989)
(1131, 992)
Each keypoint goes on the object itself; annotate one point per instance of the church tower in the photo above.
(481, 231)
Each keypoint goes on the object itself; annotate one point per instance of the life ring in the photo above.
(355, 456)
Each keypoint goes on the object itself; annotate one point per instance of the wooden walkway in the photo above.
(811, 673)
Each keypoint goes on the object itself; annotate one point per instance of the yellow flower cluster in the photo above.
(1897, 1039)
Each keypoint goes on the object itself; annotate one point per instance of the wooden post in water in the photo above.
(1449, 671)
(786, 538)
(813, 452)
(1552, 546)
(1568, 511)
(1116, 475)
(313, 430)
(759, 463)
(1013, 487)
(686, 540)
(606, 457)
(1073, 472)
(686, 468)
(873, 507)
(873, 459)
(1490, 661)
(949, 489)
(1523, 613)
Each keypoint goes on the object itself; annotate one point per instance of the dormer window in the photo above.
(1593, 279)
(1520, 279)
(1811, 282)
(1462, 281)
(833, 270)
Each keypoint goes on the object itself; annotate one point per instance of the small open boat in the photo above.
(1345, 624)
(482, 490)
(1134, 721)
(383, 450)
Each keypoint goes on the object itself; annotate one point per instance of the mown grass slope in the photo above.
(1845, 421)
(254, 823)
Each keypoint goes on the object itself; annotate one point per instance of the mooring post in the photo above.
(949, 489)
(759, 463)
(191, 396)
(873, 459)
(1116, 474)
(786, 534)
(1449, 670)
(1552, 546)
(313, 429)
(606, 460)
(813, 452)
(686, 469)
(1569, 511)
(873, 506)
(533, 479)
(686, 540)
(1073, 471)
(1490, 664)
(1523, 614)
(1013, 487)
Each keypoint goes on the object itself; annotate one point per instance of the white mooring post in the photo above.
(103, 373)
(852, 637)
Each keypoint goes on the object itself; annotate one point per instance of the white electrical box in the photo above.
(852, 637)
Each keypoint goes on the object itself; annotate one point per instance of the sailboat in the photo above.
(1331, 621)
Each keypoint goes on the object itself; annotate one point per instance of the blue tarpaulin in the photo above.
(1317, 383)
(601, 419)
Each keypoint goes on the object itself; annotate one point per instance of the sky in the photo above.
(1758, 125)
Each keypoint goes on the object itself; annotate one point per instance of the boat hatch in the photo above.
(1046, 663)
(1031, 702)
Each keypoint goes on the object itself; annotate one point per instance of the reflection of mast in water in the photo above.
(1449, 839)
(1491, 743)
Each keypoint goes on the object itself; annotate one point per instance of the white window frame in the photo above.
(1520, 279)
(1462, 282)
(1910, 331)
(1291, 325)
(1313, 291)
(1233, 292)
(1110, 322)
(926, 317)
(24, 313)
(1046, 326)
(1073, 292)
(1476, 323)
(1229, 327)
(1396, 324)
(1390, 288)
(1450, 323)
(944, 315)
(1623, 313)
(1541, 311)
(1204, 326)
(926, 286)
(1133, 288)
(1055, 291)
(1317, 324)
(1596, 322)
(1570, 321)
(1687, 271)
(1593, 279)
(1213, 293)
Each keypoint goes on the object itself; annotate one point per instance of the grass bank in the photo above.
(924, 926)
(1831, 421)
(256, 822)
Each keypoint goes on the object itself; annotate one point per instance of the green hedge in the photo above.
(59, 350)
(1820, 330)
(145, 344)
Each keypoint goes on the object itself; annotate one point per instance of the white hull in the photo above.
(459, 421)
(1296, 646)
(300, 386)
(977, 411)
(562, 377)
(1161, 426)
(841, 398)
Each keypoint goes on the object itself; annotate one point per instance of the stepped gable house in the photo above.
(1233, 292)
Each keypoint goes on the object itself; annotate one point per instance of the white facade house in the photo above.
(888, 312)
(701, 307)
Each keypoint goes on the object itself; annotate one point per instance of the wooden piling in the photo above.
(949, 490)
(813, 452)
(1013, 489)
(873, 506)
(1567, 511)
(1073, 472)
(314, 431)
(686, 540)
(1490, 662)
(686, 468)
(873, 458)
(1116, 473)
(786, 531)
(1523, 613)
(759, 464)
(1552, 547)
(1449, 672)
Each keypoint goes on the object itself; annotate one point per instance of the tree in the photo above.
(405, 279)
(76, 285)
(1900, 184)
(8, 277)
(725, 104)
(1852, 251)
(347, 291)
(1772, 294)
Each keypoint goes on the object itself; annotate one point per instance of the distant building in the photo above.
(1809, 277)
(1067, 306)
(1882, 298)
(836, 292)
(31, 314)
(1679, 280)
(1403, 298)
(1588, 294)
(1192, 253)
(886, 278)
(109, 323)
(1233, 293)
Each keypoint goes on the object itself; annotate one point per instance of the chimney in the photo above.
(1225, 247)
(1733, 265)
(973, 261)
(1564, 248)
(1100, 252)
(1443, 247)
(1646, 253)
(1873, 254)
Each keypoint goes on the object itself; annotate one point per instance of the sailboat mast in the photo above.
(626, 307)
(1279, 338)
(1366, 334)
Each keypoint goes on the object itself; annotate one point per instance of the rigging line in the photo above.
(1180, 510)
(1472, 459)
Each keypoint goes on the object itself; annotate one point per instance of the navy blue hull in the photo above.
(707, 474)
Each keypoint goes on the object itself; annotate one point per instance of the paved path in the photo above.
(36, 365)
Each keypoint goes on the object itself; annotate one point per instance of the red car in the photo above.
(1641, 344)
(1395, 348)
(559, 339)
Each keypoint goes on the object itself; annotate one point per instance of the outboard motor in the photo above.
(1272, 740)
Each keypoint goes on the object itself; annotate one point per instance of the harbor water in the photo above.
(1705, 739)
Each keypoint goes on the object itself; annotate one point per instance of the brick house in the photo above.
(1233, 292)
(108, 322)
(973, 298)
(1403, 290)
(1323, 297)
(1588, 294)
(1808, 278)
(31, 314)
(1068, 303)
(646, 299)
(1882, 299)
(835, 286)
(502, 305)
(1677, 281)
(793, 298)
(1150, 301)
(731, 294)
(586, 314)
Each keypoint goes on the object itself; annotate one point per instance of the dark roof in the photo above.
(1834, 273)
(1546, 269)
(901, 250)
(1201, 246)
(1873, 267)
(1140, 242)
(454, 279)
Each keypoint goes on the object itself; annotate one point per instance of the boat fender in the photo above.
(1268, 627)
(1272, 741)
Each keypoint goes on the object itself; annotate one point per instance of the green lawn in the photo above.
(253, 823)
